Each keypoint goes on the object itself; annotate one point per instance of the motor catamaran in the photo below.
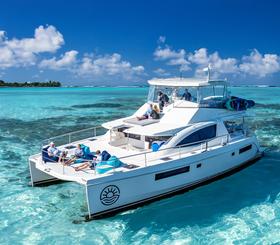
(194, 141)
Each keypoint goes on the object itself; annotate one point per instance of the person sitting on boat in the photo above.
(186, 95)
(54, 152)
(96, 159)
(155, 112)
(79, 153)
(147, 113)
(162, 99)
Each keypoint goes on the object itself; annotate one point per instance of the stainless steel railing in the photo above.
(75, 136)
(150, 156)
(180, 150)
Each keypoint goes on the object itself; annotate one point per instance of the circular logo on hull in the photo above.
(109, 195)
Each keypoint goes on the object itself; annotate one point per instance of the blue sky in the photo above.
(128, 42)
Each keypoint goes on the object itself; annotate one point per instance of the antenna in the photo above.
(208, 69)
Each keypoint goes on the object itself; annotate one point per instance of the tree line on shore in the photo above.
(30, 84)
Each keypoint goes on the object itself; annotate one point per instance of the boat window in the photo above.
(151, 94)
(200, 135)
(246, 148)
(154, 90)
(171, 173)
(179, 92)
(212, 96)
(235, 126)
(133, 136)
(157, 138)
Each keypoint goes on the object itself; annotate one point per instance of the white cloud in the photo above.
(260, 65)
(108, 65)
(161, 72)
(27, 52)
(2, 36)
(173, 57)
(201, 58)
(256, 64)
(45, 40)
(66, 61)
(22, 52)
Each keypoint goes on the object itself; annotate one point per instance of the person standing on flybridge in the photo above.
(162, 99)
(186, 95)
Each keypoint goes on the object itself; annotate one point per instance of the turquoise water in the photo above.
(241, 209)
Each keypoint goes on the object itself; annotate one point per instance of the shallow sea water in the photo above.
(241, 209)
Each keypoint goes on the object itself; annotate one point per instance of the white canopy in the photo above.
(185, 82)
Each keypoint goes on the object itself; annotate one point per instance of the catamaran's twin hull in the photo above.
(143, 185)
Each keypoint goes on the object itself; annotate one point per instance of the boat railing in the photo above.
(175, 152)
(75, 136)
(178, 151)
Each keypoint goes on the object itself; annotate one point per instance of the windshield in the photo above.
(173, 93)
(214, 92)
(205, 96)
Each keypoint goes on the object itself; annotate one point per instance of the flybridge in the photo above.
(200, 91)
(186, 82)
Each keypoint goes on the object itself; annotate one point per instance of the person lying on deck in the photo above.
(54, 152)
(147, 113)
(79, 153)
(152, 112)
(96, 159)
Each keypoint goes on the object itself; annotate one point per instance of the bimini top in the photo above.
(185, 82)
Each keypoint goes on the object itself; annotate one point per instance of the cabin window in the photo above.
(244, 149)
(200, 135)
(170, 173)
(235, 127)
(121, 129)
(151, 139)
(133, 136)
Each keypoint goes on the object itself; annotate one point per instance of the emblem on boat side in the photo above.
(109, 195)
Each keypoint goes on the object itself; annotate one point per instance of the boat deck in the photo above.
(130, 157)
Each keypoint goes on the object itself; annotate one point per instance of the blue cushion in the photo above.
(104, 166)
(87, 154)
(46, 157)
(156, 145)
(105, 156)
(114, 161)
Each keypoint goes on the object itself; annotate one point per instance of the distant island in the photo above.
(30, 84)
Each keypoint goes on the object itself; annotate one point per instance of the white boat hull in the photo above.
(144, 185)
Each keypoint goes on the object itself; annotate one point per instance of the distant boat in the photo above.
(195, 140)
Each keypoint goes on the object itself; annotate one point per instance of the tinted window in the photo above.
(172, 173)
(156, 138)
(133, 136)
(246, 148)
(200, 135)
